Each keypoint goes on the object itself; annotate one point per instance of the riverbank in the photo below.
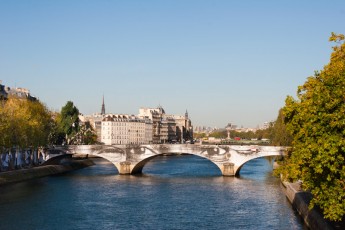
(42, 171)
(313, 218)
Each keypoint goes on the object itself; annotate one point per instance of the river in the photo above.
(174, 192)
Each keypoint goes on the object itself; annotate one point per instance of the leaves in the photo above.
(279, 135)
(317, 122)
(24, 123)
(68, 129)
(69, 122)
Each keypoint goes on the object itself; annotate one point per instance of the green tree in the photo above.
(279, 135)
(68, 121)
(218, 134)
(86, 135)
(264, 133)
(316, 121)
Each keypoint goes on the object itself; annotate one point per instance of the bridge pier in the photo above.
(124, 168)
(228, 169)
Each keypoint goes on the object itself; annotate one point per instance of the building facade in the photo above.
(6, 91)
(95, 120)
(168, 128)
(151, 125)
(125, 129)
(156, 116)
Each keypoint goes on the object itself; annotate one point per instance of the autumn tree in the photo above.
(24, 123)
(316, 121)
(57, 136)
(199, 135)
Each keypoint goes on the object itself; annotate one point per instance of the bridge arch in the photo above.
(111, 154)
(138, 168)
(239, 166)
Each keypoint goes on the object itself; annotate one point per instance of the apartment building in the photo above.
(125, 129)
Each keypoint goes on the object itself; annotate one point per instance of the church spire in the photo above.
(103, 107)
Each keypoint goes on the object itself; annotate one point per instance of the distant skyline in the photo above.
(223, 61)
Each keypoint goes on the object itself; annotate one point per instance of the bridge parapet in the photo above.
(130, 159)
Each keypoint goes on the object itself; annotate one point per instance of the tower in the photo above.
(103, 107)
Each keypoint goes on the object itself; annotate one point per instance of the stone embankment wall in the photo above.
(300, 201)
(42, 171)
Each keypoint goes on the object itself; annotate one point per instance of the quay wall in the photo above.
(300, 201)
(42, 171)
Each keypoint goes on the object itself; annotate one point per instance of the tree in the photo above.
(69, 121)
(56, 136)
(218, 134)
(264, 133)
(279, 135)
(199, 135)
(85, 136)
(24, 123)
(316, 121)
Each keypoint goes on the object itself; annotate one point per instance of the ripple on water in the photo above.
(184, 192)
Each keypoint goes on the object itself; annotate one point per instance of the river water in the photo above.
(174, 192)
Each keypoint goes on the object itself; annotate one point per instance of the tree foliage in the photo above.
(68, 120)
(69, 130)
(29, 124)
(223, 134)
(279, 135)
(86, 135)
(218, 134)
(24, 123)
(316, 121)
(264, 133)
(199, 135)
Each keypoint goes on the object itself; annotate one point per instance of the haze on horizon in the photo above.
(223, 61)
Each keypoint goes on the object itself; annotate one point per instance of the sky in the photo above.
(224, 61)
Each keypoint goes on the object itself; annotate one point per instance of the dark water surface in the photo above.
(175, 192)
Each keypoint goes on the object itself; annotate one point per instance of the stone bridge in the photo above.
(130, 159)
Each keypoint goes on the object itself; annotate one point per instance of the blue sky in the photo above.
(224, 61)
